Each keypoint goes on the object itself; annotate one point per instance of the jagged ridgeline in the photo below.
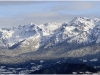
(78, 38)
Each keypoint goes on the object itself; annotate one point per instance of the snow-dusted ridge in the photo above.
(29, 38)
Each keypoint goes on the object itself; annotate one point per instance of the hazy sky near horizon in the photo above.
(23, 12)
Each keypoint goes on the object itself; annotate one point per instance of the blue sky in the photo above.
(23, 12)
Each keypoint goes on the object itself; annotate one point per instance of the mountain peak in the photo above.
(31, 23)
(81, 19)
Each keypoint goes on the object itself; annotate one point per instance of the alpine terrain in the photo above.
(76, 43)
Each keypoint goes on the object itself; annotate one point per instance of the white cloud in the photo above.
(74, 5)
(82, 5)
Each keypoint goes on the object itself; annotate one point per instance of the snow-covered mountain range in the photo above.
(79, 30)
(29, 38)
